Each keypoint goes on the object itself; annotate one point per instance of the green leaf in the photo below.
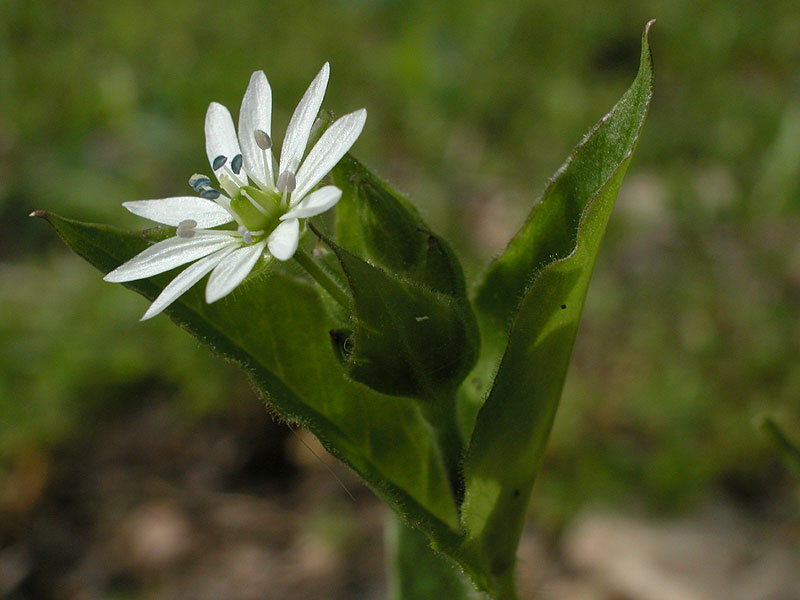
(535, 292)
(276, 326)
(417, 572)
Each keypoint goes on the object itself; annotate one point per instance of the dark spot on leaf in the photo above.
(516, 493)
(342, 341)
(563, 306)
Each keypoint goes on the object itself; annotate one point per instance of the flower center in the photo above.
(257, 209)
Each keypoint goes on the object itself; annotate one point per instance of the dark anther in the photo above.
(236, 164)
(218, 162)
(198, 182)
(209, 194)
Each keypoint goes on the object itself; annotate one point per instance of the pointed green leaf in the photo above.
(276, 327)
(538, 287)
(551, 229)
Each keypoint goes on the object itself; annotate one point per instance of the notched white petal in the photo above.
(232, 271)
(186, 279)
(299, 128)
(283, 240)
(328, 151)
(255, 115)
(170, 253)
(315, 203)
(172, 211)
(221, 140)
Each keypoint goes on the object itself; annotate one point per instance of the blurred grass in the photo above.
(693, 320)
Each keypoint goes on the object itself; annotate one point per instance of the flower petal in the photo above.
(256, 113)
(171, 211)
(283, 241)
(187, 278)
(294, 144)
(232, 270)
(315, 203)
(170, 253)
(221, 141)
(330, 148)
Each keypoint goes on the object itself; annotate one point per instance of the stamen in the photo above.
(186, 229)
(246, 235)
(210, 194)
(286, 182)
(263, 140)
(219, 161)
(198, 182)
(236, 164)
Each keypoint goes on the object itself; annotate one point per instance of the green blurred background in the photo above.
(692, 325)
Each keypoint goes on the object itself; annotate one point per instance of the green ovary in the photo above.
(253, 218)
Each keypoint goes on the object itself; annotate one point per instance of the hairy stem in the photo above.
(319, 275)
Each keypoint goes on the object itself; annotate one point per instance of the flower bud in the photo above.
(406, 339)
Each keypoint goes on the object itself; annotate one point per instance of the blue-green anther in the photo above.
(199, 182)
(236, 164)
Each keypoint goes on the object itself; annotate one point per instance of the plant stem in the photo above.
(417, 572)
(322, 278)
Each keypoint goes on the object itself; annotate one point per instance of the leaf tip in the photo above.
(646, 34)
(646, 64)
(42, 214)
(646, 37)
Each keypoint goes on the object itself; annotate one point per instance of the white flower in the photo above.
(266, 202)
